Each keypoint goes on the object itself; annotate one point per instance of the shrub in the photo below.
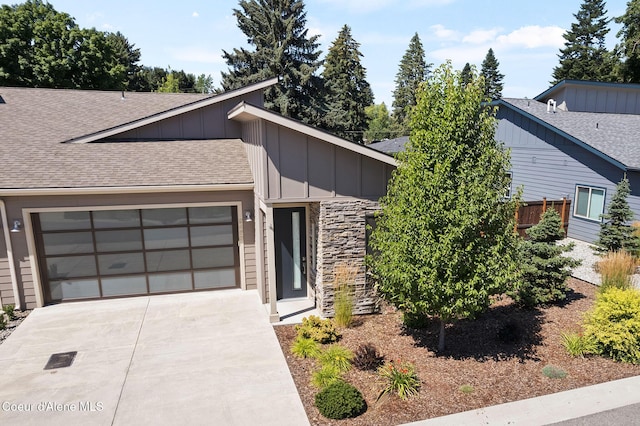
(401, 379)
(336, 356)
(10, 311)
(340, 400)
(305, 348)
(614, 324)
(3, 322)
(615, 232)
(415, 320)
(553, 372)
(326, 376)
(544, 269)
(367, 357)
(577, 345)
(616, 269)
(320, 330)
(344, 281)
(466, 389)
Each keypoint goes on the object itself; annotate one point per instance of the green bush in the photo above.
(322, 331)
(614, 324)
(10, 311)
(326, 376)
(400, 378)
(553, 372)
(340, 400)
(305, 348)
(336, 356)
(3, 322)
(577, 345)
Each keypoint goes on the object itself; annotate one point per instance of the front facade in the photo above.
(576, 141)
(109, 195)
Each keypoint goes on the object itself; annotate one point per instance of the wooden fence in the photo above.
(530, 211)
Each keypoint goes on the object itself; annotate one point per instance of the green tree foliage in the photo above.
(347, 92)
(381, 124)
(544, 269)
(413, 70)
(444, 241)
(492, 77)
(466, 74)
(148, 79)
(616, 233)
(281, 48)
(204, 84)
(629, 45)
(41, 47)
(585, 56)
(171, 84)
(127, 55)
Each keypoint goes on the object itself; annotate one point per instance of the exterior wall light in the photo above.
(17, 225)
(248, 217)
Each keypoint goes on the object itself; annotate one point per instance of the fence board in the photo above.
(530, 211)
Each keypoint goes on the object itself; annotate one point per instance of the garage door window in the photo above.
(95, 254)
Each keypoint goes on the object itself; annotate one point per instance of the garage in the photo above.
(113, 253)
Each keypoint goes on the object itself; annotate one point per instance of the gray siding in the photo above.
(547, 165)
(598, 98)
(297, 167)
(6, 289)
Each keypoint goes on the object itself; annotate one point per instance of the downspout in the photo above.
(12, 265)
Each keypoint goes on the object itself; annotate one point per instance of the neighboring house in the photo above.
(390, 146)
(576, 140)
(109, 194)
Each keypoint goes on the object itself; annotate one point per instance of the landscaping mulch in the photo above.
(13, 324)
(476, 355)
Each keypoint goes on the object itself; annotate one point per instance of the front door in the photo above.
(291, 253)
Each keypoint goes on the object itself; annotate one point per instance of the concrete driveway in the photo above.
(198, 358)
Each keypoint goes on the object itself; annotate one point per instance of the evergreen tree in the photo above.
(381, 125)
(492, 77)
(127, 55)
(281, 48)
(629, 36)
(544, 269)
(465, 75)
(615, 231)
(444, 241)
(585, 56)
(413, 70)
(347, 92)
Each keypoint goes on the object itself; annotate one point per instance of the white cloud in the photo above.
(443, 33)
(366, 6)
(196, 54)
(108, 27)
(195, 14)
(533, 36)
(481, 36)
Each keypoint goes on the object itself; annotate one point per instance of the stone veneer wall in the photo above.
(341, 240)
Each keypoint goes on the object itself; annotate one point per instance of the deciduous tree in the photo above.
(444, 241)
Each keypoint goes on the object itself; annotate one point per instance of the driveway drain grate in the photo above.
(60, 360)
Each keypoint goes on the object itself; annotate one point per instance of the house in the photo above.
(576, 140)
(390, 146)
(112, 194)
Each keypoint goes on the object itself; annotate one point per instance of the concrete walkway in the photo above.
(198, 358)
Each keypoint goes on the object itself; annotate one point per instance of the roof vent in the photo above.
(551, 103)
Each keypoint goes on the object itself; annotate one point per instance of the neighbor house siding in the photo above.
(547, 165)
(15, 206)
(302, 167)
(597, 98)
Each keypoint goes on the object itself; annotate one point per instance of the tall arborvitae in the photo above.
(585, 56)
(616, 233)
(276, 30)
(629, 45)
(492, 76)
(413, 70)
(347, 91)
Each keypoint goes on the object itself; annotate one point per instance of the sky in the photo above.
(190, 35)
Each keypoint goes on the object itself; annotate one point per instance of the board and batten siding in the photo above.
(297, 166)
(547, 165)
(590, 98)
(6, 287)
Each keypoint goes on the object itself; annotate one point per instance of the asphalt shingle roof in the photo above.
(390, 146)
(35, 123)
(617, 136)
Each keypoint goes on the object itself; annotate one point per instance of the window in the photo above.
(589, 202)
(507, 191)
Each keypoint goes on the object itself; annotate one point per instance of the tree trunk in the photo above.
(441, 338)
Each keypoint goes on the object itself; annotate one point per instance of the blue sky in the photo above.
(525, 35)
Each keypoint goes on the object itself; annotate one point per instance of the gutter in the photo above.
(11, 261)
(8, 192)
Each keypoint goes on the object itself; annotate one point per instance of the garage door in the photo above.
(111, 253)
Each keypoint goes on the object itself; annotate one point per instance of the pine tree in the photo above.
(544, 269)
(585, 56)
(444, 241)
(413, 71)
(465, 74)
(347, 91)
(492, 77)
(629, 45)
(615, 231)
(281, 48)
